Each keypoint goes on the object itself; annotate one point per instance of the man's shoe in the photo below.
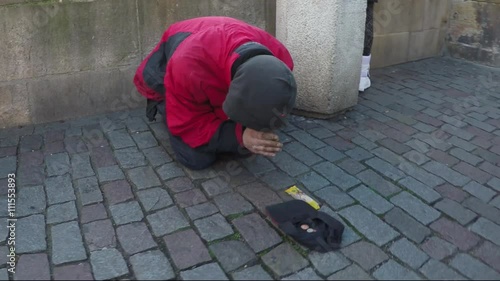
(364, 82)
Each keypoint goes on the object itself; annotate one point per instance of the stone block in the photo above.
(61, 213)
(487, 229)
(167, 221)
(117, 192)
(59, 189)
(456, 211)
(392, 270)
(371, 200)
(232, 254)
(416, 208)
(126, 212)
(30, 201)
(67, 243)
(128, 236)
(377, 183)
(89, 191)
(258, 234)
(365, 254)
(211, 271)
(421, 190)
(252, 273)
(408, 253)
(473, 268)
(213, 228)
(435, 270)
(232, 203)
(154, 199)
(152, 265)
(33, 267)
(461, 237)
(480, 191)
(99, 235)
(186, 257)
(260, 195)
(143, 177)
(336, 175)
(108, 264)
(81, 271)
(407, 225)
(201, 211)
(93, 213)
(352, 272)
(390, 49)
(130, 158)
(280, 266)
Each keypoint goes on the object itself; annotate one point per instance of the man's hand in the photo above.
(266, 144)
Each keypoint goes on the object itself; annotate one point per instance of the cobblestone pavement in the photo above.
(413, 171)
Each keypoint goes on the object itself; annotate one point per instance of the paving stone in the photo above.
(136, 124)
(8, 165)
(211, 271)
(57, 164)
(32, 267)
(328, 263)
(93, 213)
(408, 253)
(213, 227)
(67, 243)
(59, 189)
(30, 143)
(280, 266)
(364, 143)
(8, 151)
(102, 157)
(486, 155)
(435, 270)
(167, 221)
(394, 146)
(203, 174)
(351, 166)
(75, 144)
(252, 273)
(490, 254)
(352, 272)
(108, 264)
(278, 180)
(152, 265)
(88, 190)
(424, 127)
(320, 133)
(365, 254)
(186, 257)
(472, 172)
(130, 158)
(61, 213)
(307, 140)
(111, 173)
(496, 202)
(154, 199)
(259, 195)
(416, 208)
(494, 183)
(256, 232)
(457, 132)
(144, 140)
(339, 143)
(420, 174)
(313, 181)
(349, 236)
(3, 255)
(451, 192)
(117, 192)
(416, 157)
(302, 153)
(143, 177)
(359, 154)
(170, 171)
(232, 254)
(53, 136)
(201, 210)
(421, 190)
(483, 209)
(30, 201)
(371, 200)
(465, 145)
(487, 229)
(480, 191)
(446, 173)
(392, 270)
(385, 169)
(289, 164)
(407, 225)
(128, 212)
(4, 275)
(369, 225)
(232, 203)
(481, 125)
(334, 197)
(80, 166)
(456, 211)
(466, 156)
(120, 139)
(377, 183)
(473, 268)
(80, 271)
(490, 168)
(99, 235)
(372, 135)
(259, 164)
(428, 120)
(190, 198)
(456, 234)
(442, 157)
(179, 184)
(336, 175)
(128, 234)
(437, 248)
(157, 156)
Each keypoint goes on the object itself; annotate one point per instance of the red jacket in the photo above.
(191, 69)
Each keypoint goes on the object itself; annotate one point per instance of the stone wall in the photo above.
(474, 32)
(409, 30)
(63, 59)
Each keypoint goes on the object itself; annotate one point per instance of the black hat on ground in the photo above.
(262, 93)
(313, 229)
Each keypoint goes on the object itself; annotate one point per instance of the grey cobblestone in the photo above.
(437, 248)
(30, 143)
(364, 143)
(30, 234)
(259, 164)
(466, 156)
(67, 243)
(334, 197)
(157, 156)
(258, 234)
(211, 271)
(465, 145)
(408, 253)
(407, 225)
(99, 235)
(232, 254)
(421, 190)
(320, 133)
(111, 173)
(30, 201)
(232, 203)
(480, 191)
(216, 186)
(57, 164)
(186, 257)
(213, 228)
(489, 253)
(280, 266)
(126, 212)
(392, 270)
(135, 238)
(89, 191)
(369, 225)
(306, 139)
(154, 199)
(289, 165)
(170, 171)
(371, 200)
(7, 165)
(278, 180)
(328, 263)
(130, 158)
(377, 183)
(201, 210)
(487, 229)
(144, 140)
(108, 264)
(120, 139)
(385, 169)
(494, 183)
(435, 270)
(313, 181)
(416, 208)
(473, 268)
(302, 153)
(349, 236)
(252, 273)
(190, 198)
(365, 254)
(352, 272)
(304, 274)
(352, 166)
(446, 173)
(80, 166)
(59, 189)
(61, 213)
(152, 265)
(167, 221)
(416, 157)
(336, 175)
(143, 177)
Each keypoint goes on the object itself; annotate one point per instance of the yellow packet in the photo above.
(298, 194)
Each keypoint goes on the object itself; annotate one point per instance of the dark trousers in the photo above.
(197, 158)
(368, 29)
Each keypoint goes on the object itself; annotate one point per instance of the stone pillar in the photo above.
(325, 38)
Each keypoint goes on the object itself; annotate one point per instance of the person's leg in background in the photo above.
(194, 159)
(365, 82)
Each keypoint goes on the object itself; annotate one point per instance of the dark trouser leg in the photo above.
(368, 30)
(192, 158)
